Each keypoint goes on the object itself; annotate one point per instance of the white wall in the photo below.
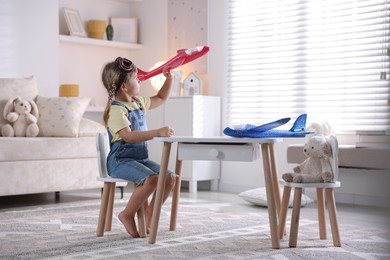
(82, 64)
(29, 41)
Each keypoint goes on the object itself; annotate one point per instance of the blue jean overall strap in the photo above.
(121, 149)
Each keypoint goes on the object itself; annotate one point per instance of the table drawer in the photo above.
(218, 152)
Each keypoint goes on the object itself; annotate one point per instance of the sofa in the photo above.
(62, 157)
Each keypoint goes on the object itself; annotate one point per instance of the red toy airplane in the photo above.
(183, 56)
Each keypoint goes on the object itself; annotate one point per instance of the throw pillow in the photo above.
(258, 197)
(60, 116)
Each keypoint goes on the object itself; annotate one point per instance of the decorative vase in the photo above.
(110, 32)
(96, 28)
(69, 90)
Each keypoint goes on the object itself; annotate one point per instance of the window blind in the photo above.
(323, 58)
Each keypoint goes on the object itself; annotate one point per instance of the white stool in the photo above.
(107, 201)
(327, 188)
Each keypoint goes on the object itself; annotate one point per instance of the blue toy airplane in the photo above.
(267, 130)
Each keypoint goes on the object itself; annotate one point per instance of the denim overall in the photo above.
(130, 160)
(136, 151)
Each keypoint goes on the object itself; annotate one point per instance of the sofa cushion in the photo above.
(60, 116)
(90, 128)
(25, 88)
(46, 148)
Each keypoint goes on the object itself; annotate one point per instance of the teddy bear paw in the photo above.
(327, 177)
(297, 169)
(12, 117)
(287, 177)
(32, 130)
(7, 131)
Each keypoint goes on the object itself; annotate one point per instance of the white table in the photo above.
(222, 148)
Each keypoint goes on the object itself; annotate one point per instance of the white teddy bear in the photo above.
(23, 117)
(317, 167)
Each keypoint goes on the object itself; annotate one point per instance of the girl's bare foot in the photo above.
(129, 224)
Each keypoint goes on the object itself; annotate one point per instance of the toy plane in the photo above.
(183, 56)
(267, 130)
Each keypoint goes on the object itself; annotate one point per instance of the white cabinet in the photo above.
(195, 116)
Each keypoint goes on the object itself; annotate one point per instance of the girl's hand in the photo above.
(167, 72)
(165, 132)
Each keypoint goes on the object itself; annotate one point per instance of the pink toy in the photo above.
(183, 56)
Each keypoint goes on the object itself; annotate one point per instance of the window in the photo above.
(323, 58)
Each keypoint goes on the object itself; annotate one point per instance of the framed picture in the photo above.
(74, 23)
(125, 29)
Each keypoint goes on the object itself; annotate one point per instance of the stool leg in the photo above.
(321, 212)
(333, 216)
(295, 217)
(283, 211)
(141, 219)
(110, 207)
(103, 210)
(121, 189)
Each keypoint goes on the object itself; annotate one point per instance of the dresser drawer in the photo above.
(218, 152)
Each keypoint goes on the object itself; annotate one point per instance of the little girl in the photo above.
(125, 119)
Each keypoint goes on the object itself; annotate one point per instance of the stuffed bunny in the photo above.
(317, 167)
(22, 116)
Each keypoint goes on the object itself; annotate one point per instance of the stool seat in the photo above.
(310, 185)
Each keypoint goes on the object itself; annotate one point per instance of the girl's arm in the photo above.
(141, 136)
(163, 94)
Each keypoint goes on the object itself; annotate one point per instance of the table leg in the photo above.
(159, 192)
(275, 178)
(176, 191)
(273, 221)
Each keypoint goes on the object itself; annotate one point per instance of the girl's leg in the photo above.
(169, 184)
(137, 199)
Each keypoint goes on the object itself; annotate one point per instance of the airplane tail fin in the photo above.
(141, 74)
(299, 124)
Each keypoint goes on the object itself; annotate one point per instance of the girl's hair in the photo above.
(113, 76)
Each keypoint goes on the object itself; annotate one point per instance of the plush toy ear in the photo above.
(34, 109)
(9, 107)
(327, 149)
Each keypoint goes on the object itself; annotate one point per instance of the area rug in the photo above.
(203, 232)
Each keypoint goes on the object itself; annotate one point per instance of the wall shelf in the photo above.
(97, 42)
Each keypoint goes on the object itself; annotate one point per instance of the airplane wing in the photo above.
(267, 131)
(182, 57)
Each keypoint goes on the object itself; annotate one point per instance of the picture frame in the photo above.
(125, 29)
(74, 23)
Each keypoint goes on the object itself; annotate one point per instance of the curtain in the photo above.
(323, 58)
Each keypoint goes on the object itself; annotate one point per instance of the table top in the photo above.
(217, 139)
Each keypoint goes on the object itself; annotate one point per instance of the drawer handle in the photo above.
(214, 153)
